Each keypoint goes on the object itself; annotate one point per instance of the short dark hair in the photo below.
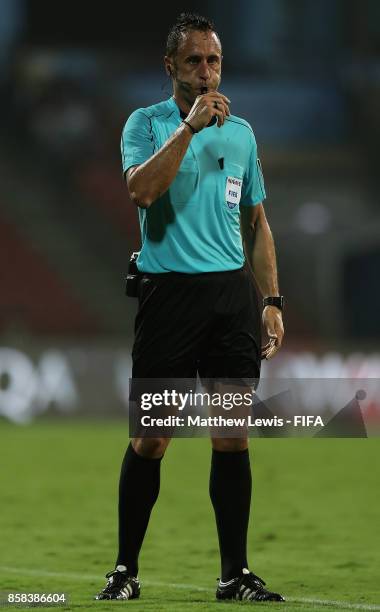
(185, 22)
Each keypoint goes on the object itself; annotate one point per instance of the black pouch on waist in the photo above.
(133, 277)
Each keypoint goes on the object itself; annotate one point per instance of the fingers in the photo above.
(216, 95)
(275, 341)
(274, 344)
(206, 106)
(224, 107)
(265, 349)
(272, 321)
(271, 349)
(220, 116)
(220, 102)
(216, 100)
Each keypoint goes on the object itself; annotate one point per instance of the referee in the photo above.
(192, 169)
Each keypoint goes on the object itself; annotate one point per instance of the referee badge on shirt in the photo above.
(233, 191)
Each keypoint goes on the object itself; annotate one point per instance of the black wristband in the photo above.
(277, 301)
(190, 126)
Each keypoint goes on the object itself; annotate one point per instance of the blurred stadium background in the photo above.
(306, 75)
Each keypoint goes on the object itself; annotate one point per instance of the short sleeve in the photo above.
(137, 142)
(253, 191)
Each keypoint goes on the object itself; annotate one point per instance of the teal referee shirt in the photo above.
(195, 226)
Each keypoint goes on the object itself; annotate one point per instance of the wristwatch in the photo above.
(277, 301)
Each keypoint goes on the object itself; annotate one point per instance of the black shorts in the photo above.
(205, 323)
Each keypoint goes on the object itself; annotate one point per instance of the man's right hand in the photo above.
(207, 106)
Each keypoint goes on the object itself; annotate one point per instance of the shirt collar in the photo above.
(174, 105)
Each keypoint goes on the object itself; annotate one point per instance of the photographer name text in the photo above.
(220, 421)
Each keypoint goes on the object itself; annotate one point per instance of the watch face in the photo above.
(277, 301)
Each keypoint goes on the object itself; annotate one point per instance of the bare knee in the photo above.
(229, 445)
(152, 448)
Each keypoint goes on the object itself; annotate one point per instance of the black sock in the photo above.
(230, 492)
(138, 490)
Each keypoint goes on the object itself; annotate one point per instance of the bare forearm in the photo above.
(150, 180)
(261, 255)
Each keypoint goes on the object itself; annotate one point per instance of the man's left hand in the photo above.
(272, 321)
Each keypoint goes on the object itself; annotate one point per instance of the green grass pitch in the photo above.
(314, 531)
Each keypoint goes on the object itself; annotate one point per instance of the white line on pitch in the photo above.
(175, 585)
